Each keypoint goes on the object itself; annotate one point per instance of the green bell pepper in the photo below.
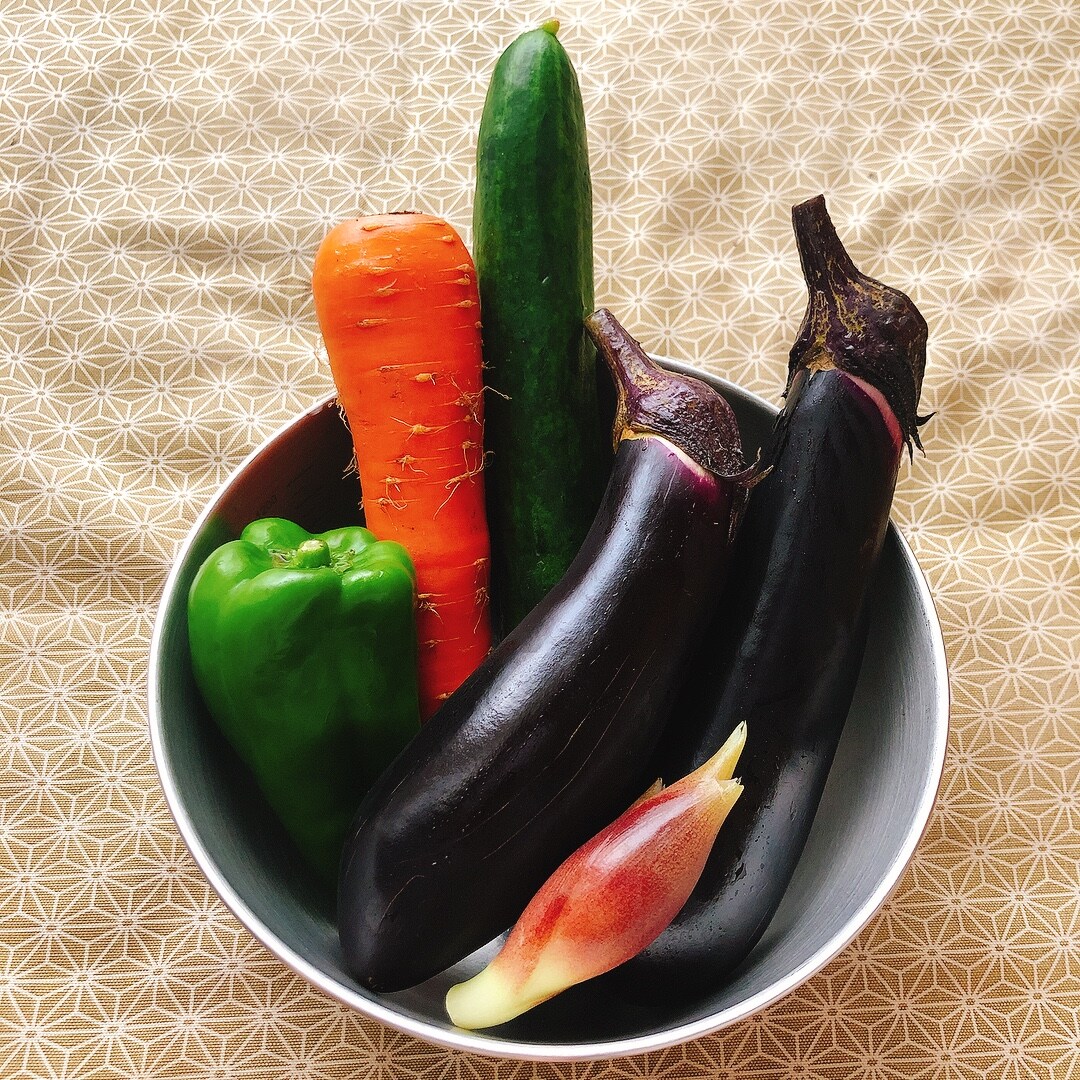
(304, 648)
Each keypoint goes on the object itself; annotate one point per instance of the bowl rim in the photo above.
(478, 1042)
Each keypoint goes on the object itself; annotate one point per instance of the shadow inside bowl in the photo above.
(874, 808)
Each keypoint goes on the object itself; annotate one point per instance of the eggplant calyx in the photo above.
(653, 401)
(855, 323)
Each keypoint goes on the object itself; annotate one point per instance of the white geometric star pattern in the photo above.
(166, 173)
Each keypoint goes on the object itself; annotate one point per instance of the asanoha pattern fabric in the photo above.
(167, 169)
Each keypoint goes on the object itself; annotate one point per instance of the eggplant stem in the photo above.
(826, 265)
(654, 401)
(855, 323)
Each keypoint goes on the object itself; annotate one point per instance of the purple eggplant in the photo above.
(784, 652)
(551, 738)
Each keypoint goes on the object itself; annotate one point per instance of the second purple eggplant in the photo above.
(784, 653)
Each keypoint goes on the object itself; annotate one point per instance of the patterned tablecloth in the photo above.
(167, 169)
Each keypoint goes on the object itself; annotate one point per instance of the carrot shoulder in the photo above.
(397, 304)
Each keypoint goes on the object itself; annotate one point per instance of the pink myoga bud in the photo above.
(610, 898)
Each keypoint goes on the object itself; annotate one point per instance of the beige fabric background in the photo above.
(167, 168)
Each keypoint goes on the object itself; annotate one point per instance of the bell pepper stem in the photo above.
(311, 554)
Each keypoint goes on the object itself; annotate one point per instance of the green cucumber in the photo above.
(549, 452)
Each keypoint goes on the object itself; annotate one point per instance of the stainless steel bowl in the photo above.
(875, 808)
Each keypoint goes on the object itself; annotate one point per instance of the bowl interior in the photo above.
(874, 809)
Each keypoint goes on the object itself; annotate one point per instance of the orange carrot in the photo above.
(397, 304)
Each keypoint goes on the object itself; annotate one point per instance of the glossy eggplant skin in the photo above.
(784, 653)
(792, 609)
(550, 739)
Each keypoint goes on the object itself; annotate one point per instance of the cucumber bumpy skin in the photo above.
(532, 245)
